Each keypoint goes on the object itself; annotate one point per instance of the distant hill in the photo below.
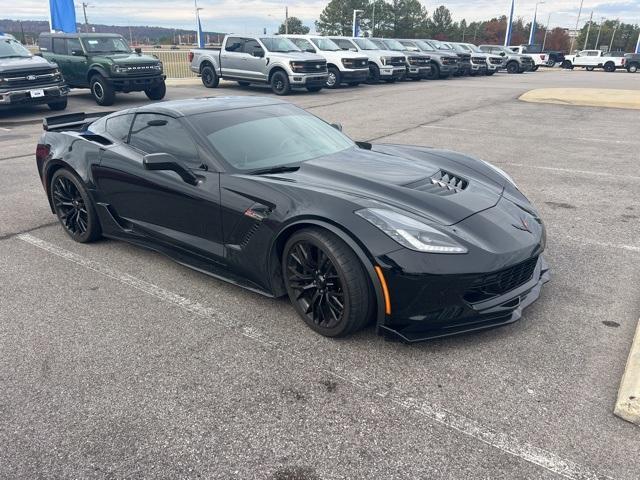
(138, 33)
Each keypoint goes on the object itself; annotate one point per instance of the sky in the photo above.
(251, 16)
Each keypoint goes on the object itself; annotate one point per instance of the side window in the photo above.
(44, 43)
(60, 46)
(251, 45)
(73, 44)
(343, 44)
(118, 127)
(234, 44)
(153, 133)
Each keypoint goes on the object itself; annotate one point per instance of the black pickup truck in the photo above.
(632, 62)
(27, 79)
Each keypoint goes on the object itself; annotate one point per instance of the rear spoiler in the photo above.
(71, 121)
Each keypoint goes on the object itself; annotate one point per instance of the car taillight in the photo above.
(542, 57)
(623, 60)
(190, 57)
(42, 152)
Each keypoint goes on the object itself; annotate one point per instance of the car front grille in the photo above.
(495, 61)
(498, 283)
(136, 69)
(449, 61)
(479, 60)
(464, 58)
(397, 61)
(313, 67)
(356, 62)
(31, 78)
(419, 61)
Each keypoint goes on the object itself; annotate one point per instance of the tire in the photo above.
(103, 93)
(280, 83)
(535, 68)
(73, 207)
(243, 83)
(59, 105)
(374, 74)
(567, 64)
(434, 73)
(551, 63)
(632, 68)
(314, 89)
(326, 283)
(334, 78)
(590, 69)
(209, 76)
(609, 67)
(156, 93)
(513, 67)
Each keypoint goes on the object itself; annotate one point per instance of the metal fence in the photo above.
(175, 62)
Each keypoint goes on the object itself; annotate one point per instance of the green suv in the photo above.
(104, 63)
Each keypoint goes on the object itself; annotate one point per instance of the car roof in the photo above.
(81, 35)
(193, 106)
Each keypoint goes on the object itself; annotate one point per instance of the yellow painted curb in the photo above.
(592, 97)
(628, 404)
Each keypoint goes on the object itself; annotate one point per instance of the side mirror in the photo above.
(337, 126)
(138, 50)
(166, 161)
(353, 49)
(77, 53)
(258, 52)
(502, 54)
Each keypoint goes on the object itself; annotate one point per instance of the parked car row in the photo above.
(314, 62)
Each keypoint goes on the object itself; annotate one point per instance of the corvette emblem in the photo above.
(524, 225)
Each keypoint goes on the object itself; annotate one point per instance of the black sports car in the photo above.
(261, 193)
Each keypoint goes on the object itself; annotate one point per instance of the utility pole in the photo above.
(586, 40)
(130, 36)
(573, 39)
(86, 22)
(286, 20)
(373, 19)
(599, 31)
(24, 40)
(617, 24)
(546, 32)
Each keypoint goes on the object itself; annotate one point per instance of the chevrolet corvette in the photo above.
(424, 242)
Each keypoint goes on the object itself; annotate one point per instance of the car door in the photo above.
(160, 204)
(76, 63)
(232, 57)
(254, 64)
(59, 55)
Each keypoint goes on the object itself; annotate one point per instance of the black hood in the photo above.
(443, 186)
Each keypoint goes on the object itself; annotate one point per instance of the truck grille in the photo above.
(356, 62)
(419, 61)
(479, 60)
(464, 58)
(31, 78)
(495, 61)
(313, 66)
(501, 282)
(136, 69)
(397, 61)
(449, 61)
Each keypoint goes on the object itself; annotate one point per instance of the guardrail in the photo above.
(175, 62)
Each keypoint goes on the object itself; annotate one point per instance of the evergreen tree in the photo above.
(295, 27)
(337, 17)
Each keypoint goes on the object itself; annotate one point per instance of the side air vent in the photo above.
(442, 183)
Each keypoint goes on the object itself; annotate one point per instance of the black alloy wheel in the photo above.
(609, 67)
(73, 207)
(209, 76)
(434, 73)
(156, 92)
(513, 67)
(374, 74)
(280, 83)
(326, 283)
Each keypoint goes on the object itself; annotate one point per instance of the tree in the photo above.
(441, 23)
(337, 17)
(558, 40)
(409, 17)
(295, 27)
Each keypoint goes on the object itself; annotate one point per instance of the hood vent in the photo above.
(442, 183)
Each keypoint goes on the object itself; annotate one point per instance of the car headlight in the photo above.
(118, 69)
(502, 173)
(158, 67)
(297, 67)
(384, 60)
(411, 233)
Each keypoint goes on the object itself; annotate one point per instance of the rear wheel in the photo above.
(326, 283)
(103, 93)
(333, 79)
(156, 92)
(535, 68)
(74, 207)
(209, 76)
(59, 105)
(609, 67)
(280, 83)
(632, 68)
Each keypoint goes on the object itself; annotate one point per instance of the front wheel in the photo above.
(156, 92)
(326, 283)
(513, 67)
(280, 83)
(535, 68)
(434, 73)
(374, 74)
(59, 105)
(632, 68)
(102, 91)
(74, 207)
(333, 78)
(567, 64)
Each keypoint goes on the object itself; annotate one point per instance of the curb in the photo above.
(628, 403)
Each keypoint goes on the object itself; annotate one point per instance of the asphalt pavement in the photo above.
(116, 362)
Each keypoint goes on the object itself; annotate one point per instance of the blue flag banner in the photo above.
(507, 36)
(63, 16)
(200, 35)
(638, 45)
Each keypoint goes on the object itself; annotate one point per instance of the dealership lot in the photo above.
(117, 363)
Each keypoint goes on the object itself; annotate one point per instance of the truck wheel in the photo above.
(434, 73)
(513, 67)
(157, 92)
(590, 69)
(632, 68)
(535, 68)
(60, 105)
(102, 91)
(242, 83)
(609, 67)
(567, 64)
(280, 83)
(374, 74)
(209, 76)
(333, 80)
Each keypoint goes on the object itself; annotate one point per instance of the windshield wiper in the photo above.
(276, 169)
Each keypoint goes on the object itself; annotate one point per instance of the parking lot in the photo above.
(116, 362)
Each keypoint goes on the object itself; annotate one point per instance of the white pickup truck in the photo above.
(592, 59)
(539, 58)
(269, 59)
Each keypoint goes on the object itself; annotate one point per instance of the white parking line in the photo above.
(503, 442)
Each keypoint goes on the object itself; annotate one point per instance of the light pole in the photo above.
(532, 32)
(354, 27)
(586, 40)
(546, 32)
(86, 22)
(617, 24)
(373, 19)
(573, 39)
(602, 19)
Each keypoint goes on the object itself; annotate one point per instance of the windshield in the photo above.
(394, 45)
(303, 44)
(326, 44)
(439, 45)
(279, 44)
(276, 135)
(10, 48)
(365, 44)
(106, 45)
(379, 43)
(471, 47)
(424, 46)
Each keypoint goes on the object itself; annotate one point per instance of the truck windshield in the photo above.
(472, 47)
(282, 135)
(424, 46)
(379, 43)
(279, 44)
(394, 45)
(105, 45)
(439, 45)
(326, 44)
(10, 48)
(366, 44)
